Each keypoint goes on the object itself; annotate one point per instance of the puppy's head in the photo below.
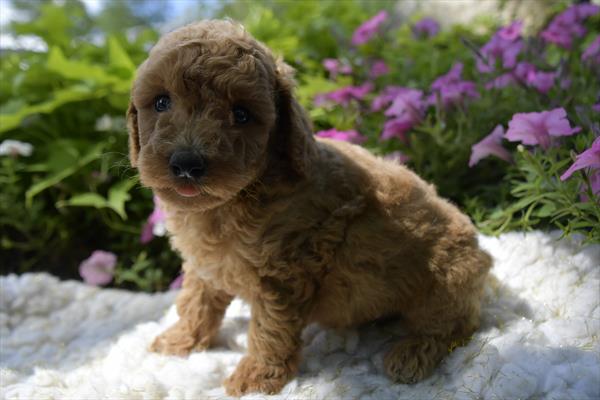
(211, 111)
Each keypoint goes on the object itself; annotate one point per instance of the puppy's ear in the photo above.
(134, 136)
(295, 128)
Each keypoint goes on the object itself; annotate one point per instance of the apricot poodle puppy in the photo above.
(303, 229)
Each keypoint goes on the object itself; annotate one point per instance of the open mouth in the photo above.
(187, 190)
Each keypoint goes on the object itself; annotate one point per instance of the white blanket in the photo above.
(539, 339)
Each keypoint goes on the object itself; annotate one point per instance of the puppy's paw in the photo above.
(177, 341)
(414, 359)
(251, 376)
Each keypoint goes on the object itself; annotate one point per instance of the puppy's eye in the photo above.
(162, 103)
(241, 115)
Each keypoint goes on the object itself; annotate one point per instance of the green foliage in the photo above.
(76, 193)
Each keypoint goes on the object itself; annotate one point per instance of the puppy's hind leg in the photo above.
(435, 332)
(201, 309)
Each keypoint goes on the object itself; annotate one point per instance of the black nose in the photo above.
(185, 164)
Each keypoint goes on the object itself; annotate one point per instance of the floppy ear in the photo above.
(295, 128)
(134, 136)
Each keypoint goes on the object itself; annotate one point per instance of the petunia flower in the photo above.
(590, 158)
(568, 25)
(490, 145)
(426, 28)
(388, 94)
(379, 68)
(504, 47)
(344, 95)
(592, 52)
(98, 269)
(539, 127)
(335, 67)
(406, 110)
(155, 225)
(529, 75)
(451, 89)
(177, 282)
(15, 148)
(351, 136)
(369, 28)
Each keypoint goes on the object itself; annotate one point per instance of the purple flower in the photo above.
(426, 28)
(98, 269)
(407, 110)
(379, 68)
(589, 158)
(592, 52)
(568, 25)
(396, 127)
(369, 28)
(397, 156)
(542, 81)
(511, 32)
(344, 95)
(538, 127)
(451, 89)
(388, 94)
(501, 81)
(596, 107)
(490, 145)
(155, 226)
(351, 136)
(335, 67)
(177, 282)
(505, 45)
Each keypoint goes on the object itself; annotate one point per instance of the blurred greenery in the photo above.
(77, 193)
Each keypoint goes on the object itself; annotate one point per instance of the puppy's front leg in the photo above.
(273, 345)
(201, 309)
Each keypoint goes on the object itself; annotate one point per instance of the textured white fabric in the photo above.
(539, 339)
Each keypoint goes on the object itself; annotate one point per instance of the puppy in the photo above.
(303, 229)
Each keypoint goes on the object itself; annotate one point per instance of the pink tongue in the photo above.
(187, 191)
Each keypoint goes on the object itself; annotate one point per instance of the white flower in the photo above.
(104, 123)
(159, 229)
(11, 147)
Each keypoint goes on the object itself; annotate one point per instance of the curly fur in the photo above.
(304, 230)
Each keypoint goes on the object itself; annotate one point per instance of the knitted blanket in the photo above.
(539, 338)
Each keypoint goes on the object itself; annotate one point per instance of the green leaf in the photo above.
(118, 57)
(63, 96)
(58, 176)
(84, 200)
(118, 195)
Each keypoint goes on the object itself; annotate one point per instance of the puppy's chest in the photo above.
(226, 255)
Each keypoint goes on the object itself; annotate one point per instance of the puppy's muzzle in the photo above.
(187, 165)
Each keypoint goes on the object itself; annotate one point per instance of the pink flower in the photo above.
(511, 32)
(426, 28)
(177, 282)
(407, 110)
(379, 68)
(344, 95)
(490, 145)
(538, 127)
(369, 28)
(451, 89)
(386, 97)
(155, 226)
(542, 81)
(335, 67)
(397, 156)
(569, 25)
(505, 45)
(98, 269)
(351, 136)
(590, 158)
(592, 52)
(396, 127)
